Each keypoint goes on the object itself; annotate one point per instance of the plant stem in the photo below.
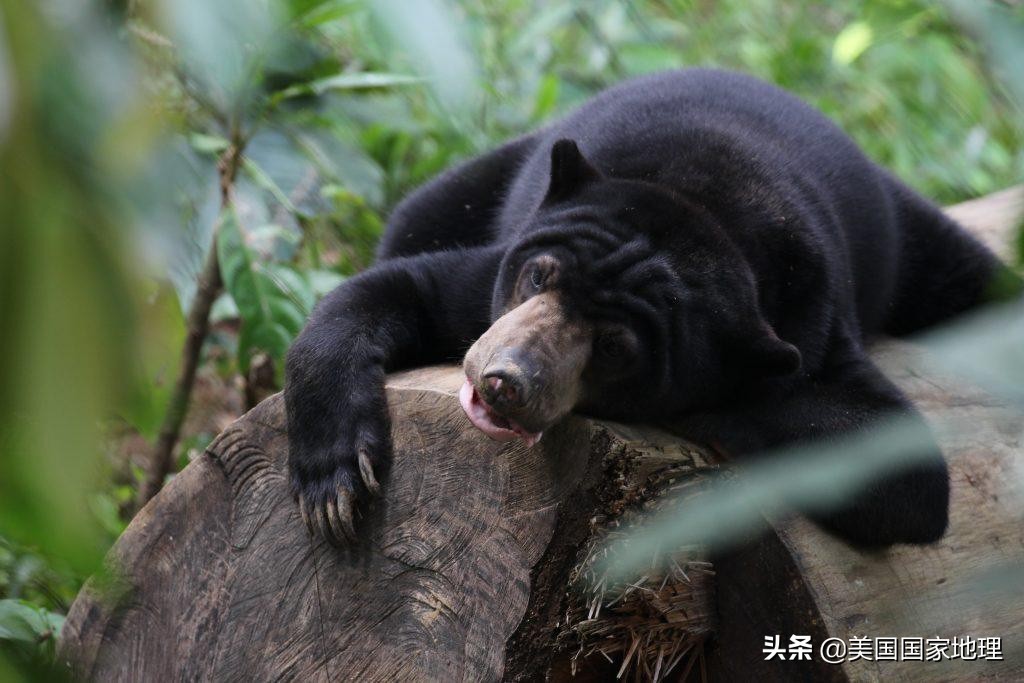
(198, 325)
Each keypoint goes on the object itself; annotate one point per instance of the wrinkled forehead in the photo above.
(584, 236)
(597, 266)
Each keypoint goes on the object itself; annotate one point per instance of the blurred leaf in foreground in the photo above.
(987, 348)
(815, 476)
(77, 134)
(429, 33)
(1001, 29)
(221, 46)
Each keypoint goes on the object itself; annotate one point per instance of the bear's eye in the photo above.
(537, 277)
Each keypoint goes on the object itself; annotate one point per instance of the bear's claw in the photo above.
(333, 517)
(366, 472)
(331, 483)
(339, 518)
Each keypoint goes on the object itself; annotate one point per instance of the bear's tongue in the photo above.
(489, 422)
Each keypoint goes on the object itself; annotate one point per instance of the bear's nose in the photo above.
(504, 385)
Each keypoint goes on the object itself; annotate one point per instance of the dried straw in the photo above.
(653, 626)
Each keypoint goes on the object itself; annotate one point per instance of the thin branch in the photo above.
(198, 325)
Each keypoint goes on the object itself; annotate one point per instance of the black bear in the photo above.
(695, 247)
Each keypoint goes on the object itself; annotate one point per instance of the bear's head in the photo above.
(622, 300)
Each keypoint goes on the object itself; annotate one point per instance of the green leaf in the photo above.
(188, 178)
(323, 281)
(326, 12)
(851, 42)
(816, 475)
(365, 80)
(154, 362)
(273, 242)
(342, 162)
(72, 261)
(208, 144)
(986, 346)
(272, 339)
(641, 58)
(1019, 242)
(219, 45)
(106, 511)
(21, 621)
(272, 300)
(540, 26)
(267, 183)
(224, 308)
(292, 163)
(432, 37)
(547, 96)
(297, 288)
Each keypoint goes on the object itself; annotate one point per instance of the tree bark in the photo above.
(465, 569)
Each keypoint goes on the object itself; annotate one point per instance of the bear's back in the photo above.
(709, 132)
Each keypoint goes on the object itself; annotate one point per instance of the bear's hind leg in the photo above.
(908, 503)
(943, 270)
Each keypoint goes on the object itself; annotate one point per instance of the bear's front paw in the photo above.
(329, 482)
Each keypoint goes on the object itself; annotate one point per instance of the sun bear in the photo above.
(695, 247)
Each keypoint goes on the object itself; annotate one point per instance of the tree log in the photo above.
(464, 569)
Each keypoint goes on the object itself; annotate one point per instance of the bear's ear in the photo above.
(765, 354)
(570, 170)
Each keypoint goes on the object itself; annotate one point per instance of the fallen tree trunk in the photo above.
(225, 582)
(468, 558)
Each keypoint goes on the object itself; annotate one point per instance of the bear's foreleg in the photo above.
(415, 310)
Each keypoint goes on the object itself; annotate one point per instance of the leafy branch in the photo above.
(197, 327)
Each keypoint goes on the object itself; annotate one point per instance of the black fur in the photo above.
(743, 239)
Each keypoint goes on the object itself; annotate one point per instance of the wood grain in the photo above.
(227, 584)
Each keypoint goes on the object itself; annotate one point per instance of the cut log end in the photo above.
(226, 581)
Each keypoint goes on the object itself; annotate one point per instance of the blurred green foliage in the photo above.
(116, 119)
(36, 594)
(67, 270)
(900, 77)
